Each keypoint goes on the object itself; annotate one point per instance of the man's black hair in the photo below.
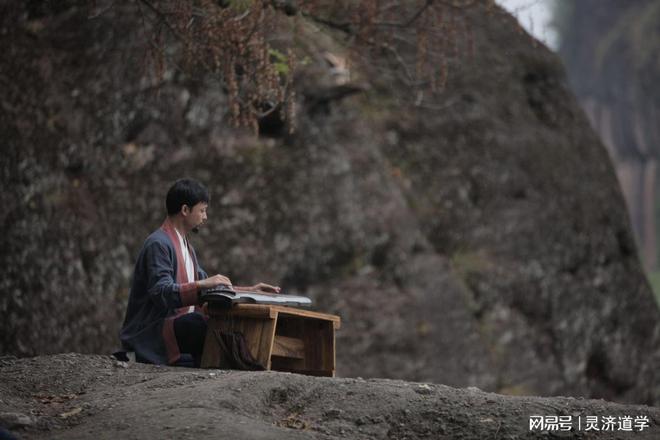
(185, 192)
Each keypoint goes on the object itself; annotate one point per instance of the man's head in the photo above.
(189, 199)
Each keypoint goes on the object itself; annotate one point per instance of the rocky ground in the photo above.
(74, 396)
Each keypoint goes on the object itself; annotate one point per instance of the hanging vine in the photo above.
(230, 39)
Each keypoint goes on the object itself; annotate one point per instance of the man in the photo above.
(163, 318)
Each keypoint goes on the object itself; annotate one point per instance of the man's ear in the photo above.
(185, 210)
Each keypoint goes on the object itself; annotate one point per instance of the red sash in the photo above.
(187, 290)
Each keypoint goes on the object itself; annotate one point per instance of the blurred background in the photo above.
(609, 49)
(478, 206)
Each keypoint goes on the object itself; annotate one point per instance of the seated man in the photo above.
(163, 318)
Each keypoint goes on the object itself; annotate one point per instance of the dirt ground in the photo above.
(74, 396)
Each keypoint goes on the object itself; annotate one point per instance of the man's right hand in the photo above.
(213, 281)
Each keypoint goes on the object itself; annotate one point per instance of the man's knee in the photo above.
(190, 327)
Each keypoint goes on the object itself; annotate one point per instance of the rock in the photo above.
(171, 403)
(333, 413)
(424, 389)
(14, 420)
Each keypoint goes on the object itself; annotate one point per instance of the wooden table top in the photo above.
(271, 311)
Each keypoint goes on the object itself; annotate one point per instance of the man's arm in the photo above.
(213, 281)
(261, 287)
(161, 285)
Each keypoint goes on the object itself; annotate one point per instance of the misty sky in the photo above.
(535, 16)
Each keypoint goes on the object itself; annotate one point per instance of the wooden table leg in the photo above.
(258, 332)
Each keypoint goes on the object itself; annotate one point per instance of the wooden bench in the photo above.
(280, 338)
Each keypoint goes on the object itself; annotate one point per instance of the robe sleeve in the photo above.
(201, 274)
(161, 285)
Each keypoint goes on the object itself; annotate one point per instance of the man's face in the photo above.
(196, 216)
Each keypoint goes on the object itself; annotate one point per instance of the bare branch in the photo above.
(344, 27)
(411, 20)
(242, 16)
(162, 18)
(400, 60)
(457, 4)
(101, 11)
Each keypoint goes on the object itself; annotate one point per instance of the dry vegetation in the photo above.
(231, 40)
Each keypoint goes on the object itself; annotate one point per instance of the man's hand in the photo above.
(266, 288)
(213, 281)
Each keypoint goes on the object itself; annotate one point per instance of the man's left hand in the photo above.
(266, 288)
